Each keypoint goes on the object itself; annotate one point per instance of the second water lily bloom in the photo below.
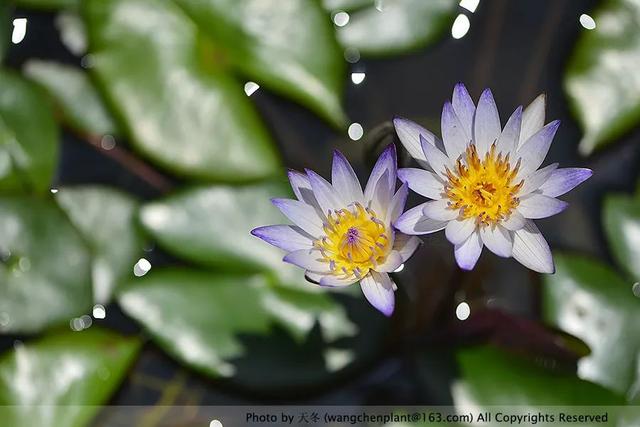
(484, 181)
(342, 234)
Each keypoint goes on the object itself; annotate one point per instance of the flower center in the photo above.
(355, 241)
(483, 188)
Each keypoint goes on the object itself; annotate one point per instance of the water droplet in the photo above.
(463, 311)
(108, 142)
(19, 30)
(399, 269)
(99, 312)
(460, 26)
(341, 18)
(357, 78)
(24, 264)
(250, 88)
(355, 131)
(636, 289)
(351, 55)
(470, 5)
(76, 324)
(86, 321)
(54, 190)
(215, 423)
(86, 61)
(587, 22)
(142, 267)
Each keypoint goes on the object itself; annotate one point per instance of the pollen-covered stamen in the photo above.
(356, 241)
(483, 188)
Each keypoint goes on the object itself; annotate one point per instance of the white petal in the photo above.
(327, 197)
(396, 207)
(454, 135)
(422, 182)
(532, 118)
(333, 281)
(564, 180)
(464, 107)
(406, 245)
(458, 231)
(344, 180)
(287, 237)
(415, 222)
(308, 259)
(486, 123)
(378, 289)
(515, 221)
(536, 179)
(382, 181)
(508, 140)
(409, 134)
(536, 206)
(301, 214)
(533, 152)
(467, 253)
(439, 209)
(497, 239)
(438, 161)
(532, 250)
(302, 189)
(391, 263)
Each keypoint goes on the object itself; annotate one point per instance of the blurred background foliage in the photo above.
(185, 163)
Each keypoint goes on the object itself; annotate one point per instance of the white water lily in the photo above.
(484, 181)
(342, 235)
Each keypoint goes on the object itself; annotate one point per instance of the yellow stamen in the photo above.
(355, 241)
(483, 188)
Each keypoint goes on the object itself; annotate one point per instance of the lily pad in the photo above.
(28, 136)
(604, 99)
(75, 95)
(396, 26)
(61, 379)
(288, 46)
(177, 104)
(204, 318)
(108, 221)
(622, 224)
(44, 266)
(211, 226)
(588, 300)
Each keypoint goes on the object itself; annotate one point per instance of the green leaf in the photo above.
(81, 106)
(289, 46)
(350, 5)
(622, 224)
(61, 379)
(401, 26)
(28, 136)
(588, 300)
(211, 226)
(107, 219)
(202, 318)
(178, 107)
(72, 32)
(492, 377)
(605, 100)
(47, 4)
(44, 268)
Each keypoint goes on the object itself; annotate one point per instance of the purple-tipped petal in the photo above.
(464, 107)
(409, 134)
(536, 179)
(301, 214)
(498, 240)
(422, 182)
(454, 135)
(564, 180)
(344, 179)
(308, 259)
(467, 253)
(333, 281)
(438, 161)
(414, 222)
(532, 118)
(537, 206)
(378, 289)
(287, 237)
(326, 196)
(458, 231)
(396, 207)
(532, 250)
(486, 123)
(508, 140)
(385, 167)
(533, 152)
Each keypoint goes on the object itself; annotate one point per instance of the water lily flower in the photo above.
(342, 235)
(484, 181)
